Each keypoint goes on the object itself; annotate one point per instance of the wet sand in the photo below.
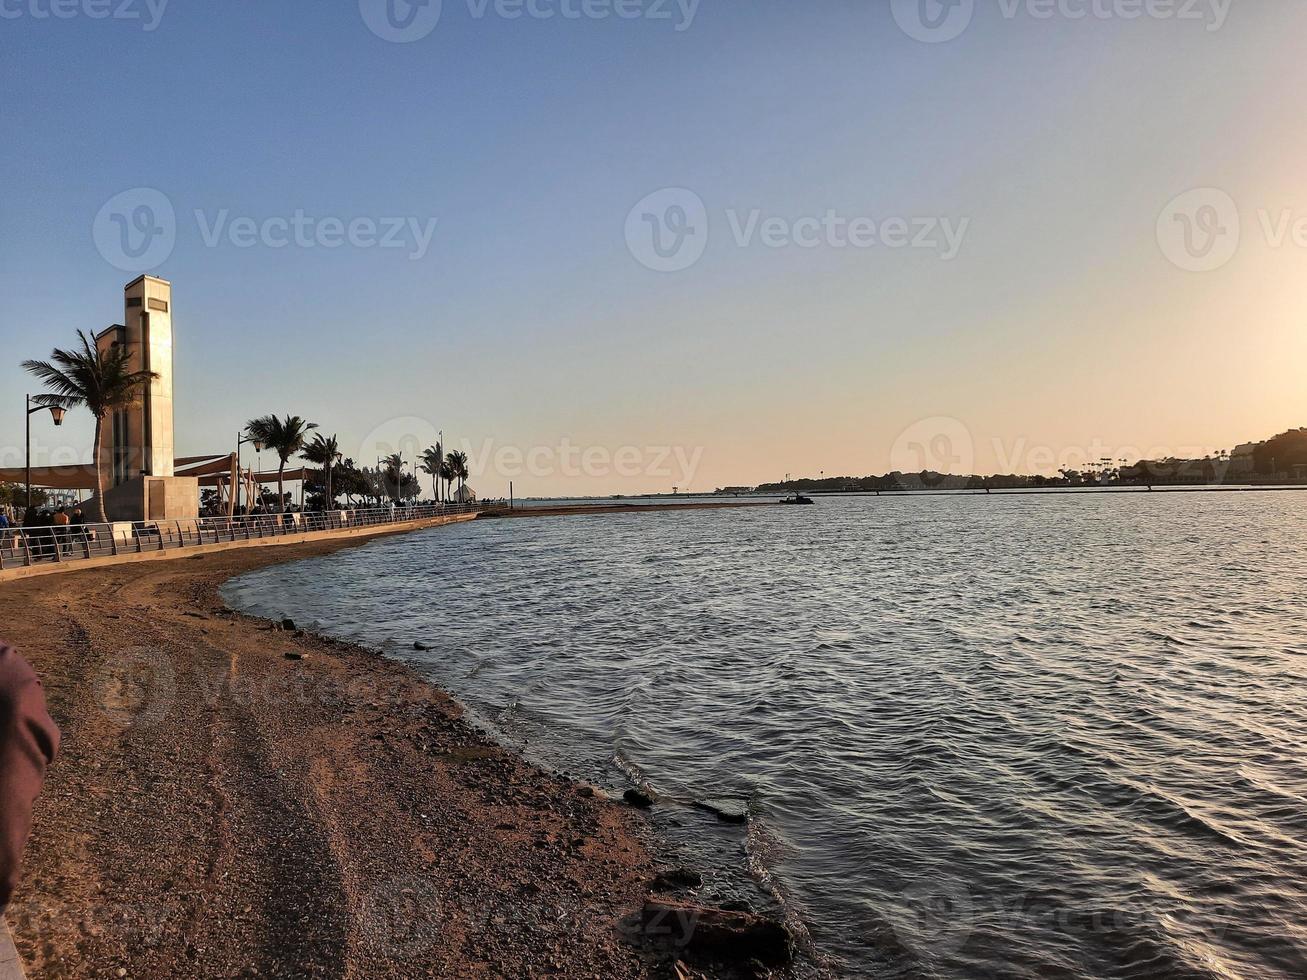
(222, 809)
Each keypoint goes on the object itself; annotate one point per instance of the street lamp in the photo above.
(58, 414)
(240, 441)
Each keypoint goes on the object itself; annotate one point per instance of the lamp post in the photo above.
(240, 441)
(58, 415)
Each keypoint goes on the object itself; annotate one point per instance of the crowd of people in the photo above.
(48, 531)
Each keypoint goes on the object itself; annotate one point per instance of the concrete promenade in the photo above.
(190, 551)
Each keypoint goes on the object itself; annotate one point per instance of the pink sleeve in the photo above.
(28, 743)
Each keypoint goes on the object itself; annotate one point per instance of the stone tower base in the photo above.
(154, 498)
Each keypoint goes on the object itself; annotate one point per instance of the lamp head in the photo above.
(258, 445)
(58, 414)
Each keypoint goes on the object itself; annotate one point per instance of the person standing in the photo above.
(61, 520)
(78, 530)
(29, 742)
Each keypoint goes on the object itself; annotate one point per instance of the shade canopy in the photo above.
(210, 470)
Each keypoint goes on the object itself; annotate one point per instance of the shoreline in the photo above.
(236, 796)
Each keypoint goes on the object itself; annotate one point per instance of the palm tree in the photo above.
(392, 473)
(447, 474)
(432, 458)
(458, 466)
(285, 437)
(324, 452)
(100, 380)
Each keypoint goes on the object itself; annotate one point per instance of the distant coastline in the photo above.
(1276, 463)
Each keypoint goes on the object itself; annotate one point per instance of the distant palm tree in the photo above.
(392, 472)
(98, 379)
(432, 458)
(324, 452)
(285, 437)
(447, 474)
(458, 466)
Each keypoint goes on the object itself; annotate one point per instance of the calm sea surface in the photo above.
(1060, 736)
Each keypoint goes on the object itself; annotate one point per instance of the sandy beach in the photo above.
(236, 798)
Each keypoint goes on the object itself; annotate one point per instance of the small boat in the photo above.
(798, 498)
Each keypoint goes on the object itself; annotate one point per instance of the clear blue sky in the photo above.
(1060, 322)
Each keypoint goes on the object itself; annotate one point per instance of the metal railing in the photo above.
(26, 546)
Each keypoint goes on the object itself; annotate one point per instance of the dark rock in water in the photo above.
(727, 811)
(636, 798)
(294, 655)
(674, 879)
(736, 937)
(288, 623)
(419, 645)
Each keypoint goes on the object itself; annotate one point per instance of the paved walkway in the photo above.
(11, 967)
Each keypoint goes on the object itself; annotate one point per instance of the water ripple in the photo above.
(976, 737)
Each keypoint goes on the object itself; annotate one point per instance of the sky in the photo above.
(620, 246)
